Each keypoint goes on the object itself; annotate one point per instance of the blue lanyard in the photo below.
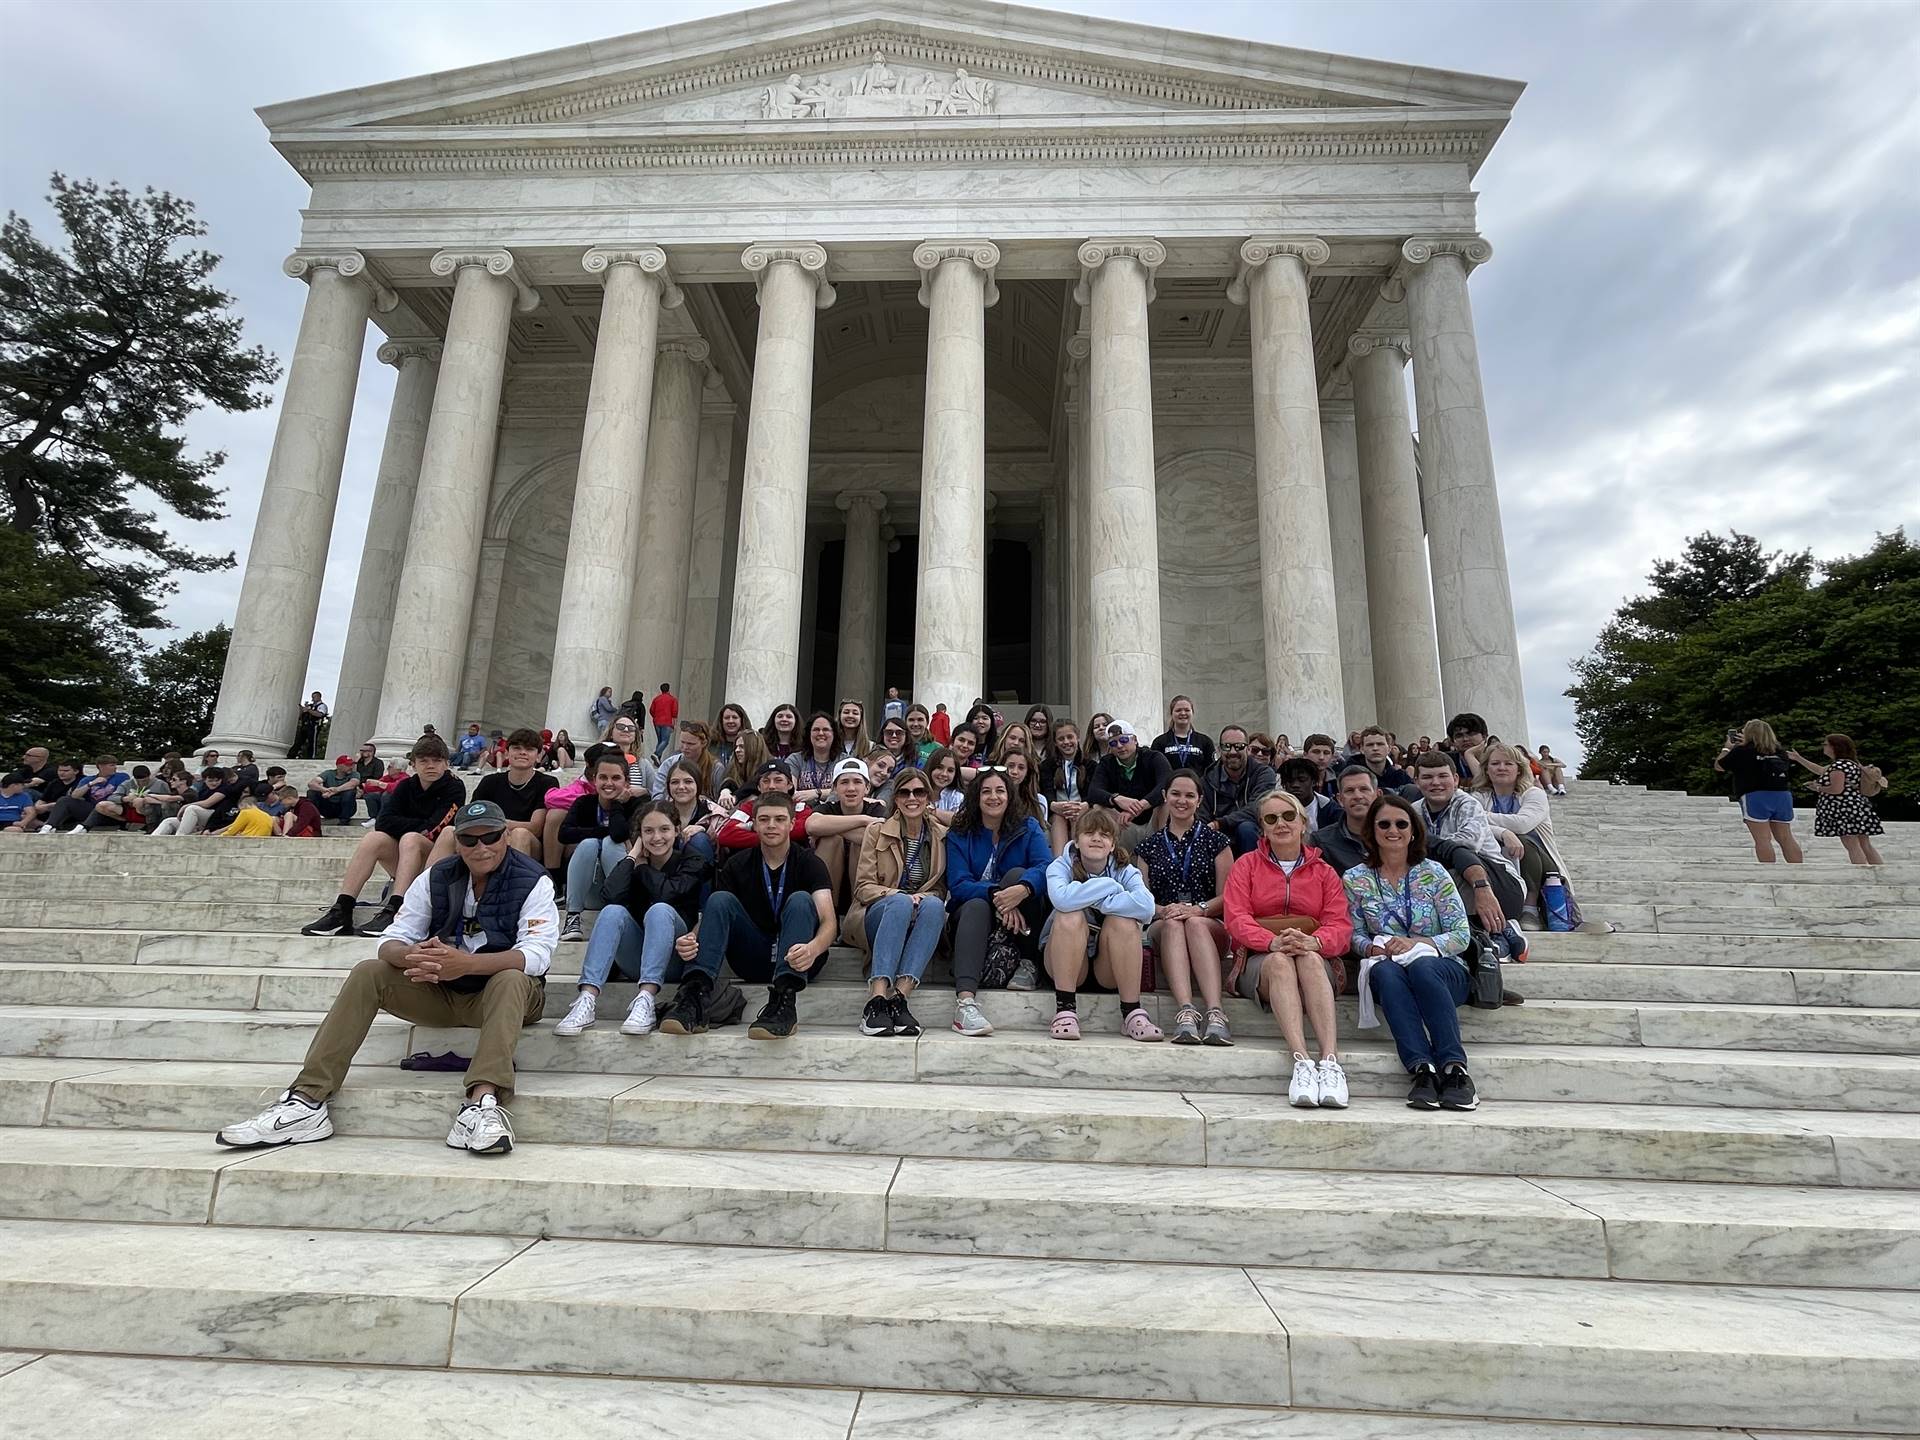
(1185, 747)
(1073, 780)
(1405, 913)
(815, 773)
(774, 898)
(1186, 861)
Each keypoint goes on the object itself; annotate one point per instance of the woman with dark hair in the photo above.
(1021, 774)
(1410, 930)
(1040, 728)
(812, 764)
(985, 726)
(1761, 775)
(850, 739)
(559, 753)
(1186, 865)
(726, 732)
(966, 752)
(1843, 810)
(996, 865)
(949, 790)
(893, 740)
(1064, 777)
(693, 813)
(1093, 740)
(696, 750)
(899, 904)
(782, 733)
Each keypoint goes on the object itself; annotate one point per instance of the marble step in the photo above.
(973, 1121)
(160, 1033)
(1772, 951)
(1836, 921)
(1545, 980)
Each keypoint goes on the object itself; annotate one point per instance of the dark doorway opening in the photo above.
(903, 595)
(817, 683)
(1010, 602)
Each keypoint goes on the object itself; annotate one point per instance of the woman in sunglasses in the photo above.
(899, 904)
(1410, 928)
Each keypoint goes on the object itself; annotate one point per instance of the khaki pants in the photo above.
(511, 1000)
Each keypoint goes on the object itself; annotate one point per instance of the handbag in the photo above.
(1003, 957)
(1873, 780)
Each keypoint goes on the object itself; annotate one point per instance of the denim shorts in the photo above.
(1775, 805)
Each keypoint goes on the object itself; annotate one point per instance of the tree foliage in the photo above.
(172, 706)
(1730, 633)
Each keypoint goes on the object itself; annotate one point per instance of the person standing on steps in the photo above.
(770, 918)
(469, 948)
(1762, 779)
(899, 904)
(412, 815)
(1186, 865)
(603, 710)
(664, 711)
(1843, 809)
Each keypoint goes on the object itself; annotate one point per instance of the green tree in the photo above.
(172, 706)
(1730, 634)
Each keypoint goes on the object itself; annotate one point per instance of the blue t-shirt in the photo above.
(472, 747)
(12, 807)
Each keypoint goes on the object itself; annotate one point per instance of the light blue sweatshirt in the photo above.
(1120, 891)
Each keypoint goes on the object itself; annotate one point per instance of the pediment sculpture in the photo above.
(876, 90)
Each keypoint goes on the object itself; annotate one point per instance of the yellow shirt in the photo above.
(250, 822)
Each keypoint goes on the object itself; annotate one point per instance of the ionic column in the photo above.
(950, 621)
(427, 651)
(272, 641)
(1305, 691)
(1406, 672)
(707, 557)
(356, 699)
(476, 677)
(1472, 596)
(1349, 563)
(656, 640)
(763, 654)
(1123, 585)
(603, 542)
(1079, 643)
(853, 672)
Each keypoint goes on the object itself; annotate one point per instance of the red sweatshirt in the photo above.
(1257, 886)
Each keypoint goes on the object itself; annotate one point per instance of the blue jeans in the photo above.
(662, 737)
(592, 862)
(728, 934)
(642, 946)
(1246, 837)
(1421, 1002)
(903, 936)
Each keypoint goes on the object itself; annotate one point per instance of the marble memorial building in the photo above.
(846, 343)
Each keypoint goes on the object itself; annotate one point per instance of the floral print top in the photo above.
(1423, 904)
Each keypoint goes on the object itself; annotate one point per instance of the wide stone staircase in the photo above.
(1690, 1199)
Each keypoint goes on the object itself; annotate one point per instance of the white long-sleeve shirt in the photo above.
(538, 933)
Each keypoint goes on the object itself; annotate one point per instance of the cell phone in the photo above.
(1733, 737)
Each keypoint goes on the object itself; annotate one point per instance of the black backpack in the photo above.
(1773, 771)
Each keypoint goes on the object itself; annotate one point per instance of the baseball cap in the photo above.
(771, 767)
(852, 766)
(478, 817)
(343, 759)
(1121, 730)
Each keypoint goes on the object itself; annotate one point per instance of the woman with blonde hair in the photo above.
(1101, 906)
(1761, 771)
(1517, 809)
(1015, 737)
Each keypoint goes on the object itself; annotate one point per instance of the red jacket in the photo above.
(1257, 886)
(665, 709)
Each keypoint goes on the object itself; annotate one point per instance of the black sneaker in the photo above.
(779, 1017)
(1456, 1090)
(1425, 1094)
(687, 1015)
(903, 1021)
(382, 918)
(337, 921)
(877, 1018)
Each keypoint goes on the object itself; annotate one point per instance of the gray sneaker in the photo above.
(1024, 977)
(970, 1019)
(1217, 1031)
(1186, 1026)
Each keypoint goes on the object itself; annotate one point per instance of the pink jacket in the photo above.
(1257, 886)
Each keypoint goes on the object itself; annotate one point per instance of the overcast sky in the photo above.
(1703, 308)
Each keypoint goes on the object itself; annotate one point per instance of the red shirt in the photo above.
(941, 727)
(306, 821)
(664, 709)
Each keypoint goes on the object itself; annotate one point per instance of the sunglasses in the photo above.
(1260, 749)
(492, 837)
(912, 792)
(1284, 817)
(1231, 749)
(993, 769)
(1393, 824)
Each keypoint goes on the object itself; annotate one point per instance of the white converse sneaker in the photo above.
(1305, 1089)
(1333, 1085)
(641, 1017)
(581, 1015)
(290, 1120)
(489, 1129)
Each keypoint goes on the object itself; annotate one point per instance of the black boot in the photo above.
(382, 918)
(337, 921)
(780, 1016)
(687, 1015)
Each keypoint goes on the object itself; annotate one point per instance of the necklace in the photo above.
(521, 786)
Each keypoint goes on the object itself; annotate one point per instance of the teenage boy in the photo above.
(299, 818)
(664, 711)
(1319, 749)
(70, 812)
(1460, 837)
(15, 800)
(1232, 789)
(1467, 733)
(216, 800)
(520, 790)
(1376, 753)
(772, 778)
(1131, 781)
(470, 947)
(838, 828)
(770, 918)
(401, 840)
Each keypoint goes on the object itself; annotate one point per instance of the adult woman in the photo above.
(559, 751)
(1020, 772)
(899, 904)
(1186, 866)
(652, 899)
(1286, 909)
(1518, 809)
(1185, 747)
(641, 771)
(1100, 905)
(603, 709)
(1411, 931)
(1014, 737)
(1093, 742)
(985, 726)
(850, 732)
(996, 861)
(1843, 810)
(949, 794)
(1064, 776)
(782, 732)
(726, 732)
(1040, 729)
(812, 766)
(693, 814)
(893, 740)
(1753, 757)
(966, 752)
(696, 750)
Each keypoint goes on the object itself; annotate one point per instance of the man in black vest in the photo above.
(470, 947)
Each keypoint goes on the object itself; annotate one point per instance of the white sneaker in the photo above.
(78, 830)
(1333, 1085)
(482, 1127)
(970, 1019)
(1024, 977)
(641, 1017)
(1305, 1089)
(290, 1120)
(581, 1015)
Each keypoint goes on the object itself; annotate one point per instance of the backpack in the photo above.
(726, 1003)
(1872, 781)
(1773, 772)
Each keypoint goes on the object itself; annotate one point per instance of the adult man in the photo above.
(71, 810)
(1342, 841)
(36, 770)
(1130, 781)
(895, 708)
(838, 827)
(665, 714)
(336, 792)
(1376, 753)
(1460, 837)
(472, 746)
(770, 917)
(369, 765)
(400, 841)
(1319, 749)
(1467, 733)
(1232, 788)
(306, 739)
(469, 947)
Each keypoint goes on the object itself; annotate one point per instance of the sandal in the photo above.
(1066, 1025)
(1139, 1027)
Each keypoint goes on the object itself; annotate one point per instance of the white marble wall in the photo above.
(1210, 623)
(529, 615)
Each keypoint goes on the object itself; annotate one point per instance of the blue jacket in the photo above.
(969, 851)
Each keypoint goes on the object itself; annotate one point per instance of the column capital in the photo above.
(349, 264)
(649, 259)
(1471, 249)
(1094, 253)
(929, 255)
(1365, 342)
(397, 352)
(499, 263)
(690, 346)
(809, 255)
(872, 500)
(1309, 250)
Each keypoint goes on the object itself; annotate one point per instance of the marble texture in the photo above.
(855, 672)
(131, 1033)
(27, 1085)
(1600, 1350)
(116, 1395)
(657, 637)
(240, 1294)
(998, 1326)
(1339, 450)
(1880, 1150)
(709, 601)
(53, 1174)
(1786, 1027)
(150, 985)
(1684, 984)
(813, 1053)
(1740, 951)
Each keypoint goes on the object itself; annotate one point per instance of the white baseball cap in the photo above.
(851, 766)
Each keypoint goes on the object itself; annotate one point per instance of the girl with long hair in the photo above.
(985, 726)
(949, 791)
(693, 813)
(782, 732)
(749, 754)
(1063, 779)
(899, 904)
(1093, 741)
(893, 740)
(695, 750)
(1101, 905)
(1186, 866)
(1020, 774)
(1014, 737)
(996, 863)
(812, 764)
(850, 732)
(1040, 729)
(727, 729)
(1761, 774)
(1843, 810)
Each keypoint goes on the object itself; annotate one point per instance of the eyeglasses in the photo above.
(1393, 824)
(1283, 817)
(492, 837)
(1261, 749)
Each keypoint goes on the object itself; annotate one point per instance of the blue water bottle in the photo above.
(1553, 896)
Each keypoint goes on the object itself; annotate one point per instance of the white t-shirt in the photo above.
(538, 933)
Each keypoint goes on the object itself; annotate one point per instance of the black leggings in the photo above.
(973, 927)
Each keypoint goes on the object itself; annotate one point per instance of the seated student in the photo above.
(693, 814)
(1232, 788)
(299, 818)
(268, 790)
(1186, 866)
(1013, 738)
(1498, 894)
(557, 750)
(899, 904)
(375, 792)
(245, 770)
(250, 821)
(336, 792)
(736, 832)
(50, 792)
(1185, 747)
(949, 790)
(1040, 732)
(1342, 840)
(521, 793)
(1320, 750)
(984, 724)
(156, 808)
(1100, 906)
(782, 733)
(920, 732)
(1066, 775)
(1131, 782)
(473, 745)
(71, 810)
(598, 829)
(401, 839)
(895, 744)
(996, 864)
(1376, 753)
(1466, 734)
(1021, 775)
(1518, 811)
(469, 947)
(215, 800)
(838, 827)
(1287, 909)
(652, 899)
(770, 918)
(695, 749)
(882, 771)
(1553, 772)
(1411, 930)
(496, 756)
(727, 728)
(749, 754)
(965, 748)
(1300, 777)
(15, 800)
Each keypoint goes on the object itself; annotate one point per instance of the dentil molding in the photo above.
(930, 255)
(809, 255)
(499, 263)
(650, 260)
(349, 265)
(1309, 250)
